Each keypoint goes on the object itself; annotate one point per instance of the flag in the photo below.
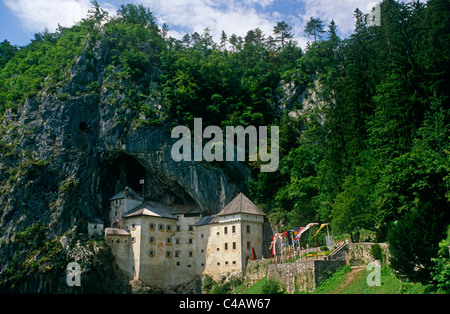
(297, 233)
(317, 232)
(307, 227)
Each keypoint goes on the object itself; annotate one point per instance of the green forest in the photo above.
(369, 153)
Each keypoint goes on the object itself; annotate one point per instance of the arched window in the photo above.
(169, 241)
(161, 228)
(151, 226)
(151, 253)
(169, 228)
(152, 239)
(168, 254)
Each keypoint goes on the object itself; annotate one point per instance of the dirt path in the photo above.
(350, 277)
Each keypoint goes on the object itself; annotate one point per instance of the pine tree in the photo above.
(314, 28)
(283, 32)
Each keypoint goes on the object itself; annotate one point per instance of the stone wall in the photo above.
(303, 275)
(362, 251)
(307, 275)
(257, 269)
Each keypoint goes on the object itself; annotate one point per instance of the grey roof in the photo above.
(241, 204)
(185, 209)
(114, 231)
(150, 209)
(205, 221)
(123, 194)
(95, 221)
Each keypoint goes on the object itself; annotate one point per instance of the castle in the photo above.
(165, 246)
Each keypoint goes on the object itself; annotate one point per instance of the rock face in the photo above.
(69, 151)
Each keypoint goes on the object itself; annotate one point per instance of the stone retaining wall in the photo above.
(303, 275)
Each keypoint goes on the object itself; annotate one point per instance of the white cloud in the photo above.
(36, 15)
(339, 10)
(232, 16)
(182, 16)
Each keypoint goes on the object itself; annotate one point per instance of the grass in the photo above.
(354, 281)
(347, 281)
(256, 288)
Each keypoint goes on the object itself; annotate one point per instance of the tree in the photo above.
(283, 32)
(137, 14)
(97, 13)
(314, 28)
(223, 40)
(234, 41)
(7, 51)
(413, 198)
(332, 35)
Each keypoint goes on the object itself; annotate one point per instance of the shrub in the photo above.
(376, 252)
(208, 283)
(271, 287)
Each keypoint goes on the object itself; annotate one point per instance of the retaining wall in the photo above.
(303, 275)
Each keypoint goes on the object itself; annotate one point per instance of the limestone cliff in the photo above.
(66, 151)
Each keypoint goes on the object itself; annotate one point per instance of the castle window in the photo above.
(234, 245)
(151, 253)
(225, 230)
(169, 228)
(133, 239)
(178, 228)
(191, 227)
(151, 226)
(226, 246)
(234, 262)
(177, 241)
(169, 241)
(190, 253)
(190, 241)
(152, 240)
(248, 245)
(168, 254)
(178, 263)
(161, 228)
(233, 229)
(248, 228)
(177, 254)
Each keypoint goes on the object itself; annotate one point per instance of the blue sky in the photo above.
(21, 19)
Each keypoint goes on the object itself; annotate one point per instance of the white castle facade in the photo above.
(165, 246)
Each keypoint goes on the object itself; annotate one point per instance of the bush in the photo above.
(208, 283)
(271, 287)
(376, 252)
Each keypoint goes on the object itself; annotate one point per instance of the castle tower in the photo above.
(121, 203)
(236, 235)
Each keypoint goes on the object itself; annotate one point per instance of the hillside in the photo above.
(363, 130)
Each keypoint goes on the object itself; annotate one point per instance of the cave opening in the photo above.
(124, 170)
(119, 172)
